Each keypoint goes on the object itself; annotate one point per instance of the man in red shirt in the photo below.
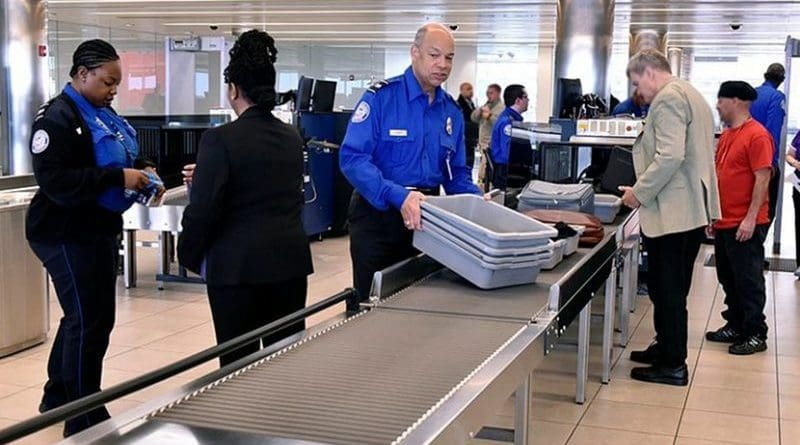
(743, 162)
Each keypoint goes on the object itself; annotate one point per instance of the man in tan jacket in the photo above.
(485, 117)
(676, 194)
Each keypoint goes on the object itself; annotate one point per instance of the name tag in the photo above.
(398, 132)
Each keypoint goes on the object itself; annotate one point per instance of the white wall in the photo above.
(544, 82)
(464, 68)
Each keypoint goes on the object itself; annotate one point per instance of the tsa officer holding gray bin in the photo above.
(405, 139)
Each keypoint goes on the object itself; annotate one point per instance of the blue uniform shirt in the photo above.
(501, 135)
(115, 146)
(768, 110)
(396, 139)
(629, 107)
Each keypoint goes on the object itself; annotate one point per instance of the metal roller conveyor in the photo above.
(431, 361)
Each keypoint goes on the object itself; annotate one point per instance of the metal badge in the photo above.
(448, 126)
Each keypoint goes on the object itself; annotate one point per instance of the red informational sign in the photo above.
(42, 50)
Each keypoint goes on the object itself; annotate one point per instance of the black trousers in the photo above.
(471, 145)
(378, 239)
(774, 183)
(237, 310)
(670, 261)
(796, 201)
(84, 276)
(740, 271)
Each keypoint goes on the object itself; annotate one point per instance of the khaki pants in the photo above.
(484, 150)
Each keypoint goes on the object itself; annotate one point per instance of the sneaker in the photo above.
(725, 334)
(749, 345)
(648, 356)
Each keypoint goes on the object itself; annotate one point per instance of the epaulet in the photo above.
(377, 86)
(42, 110)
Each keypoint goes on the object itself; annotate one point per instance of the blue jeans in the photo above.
(84, 277)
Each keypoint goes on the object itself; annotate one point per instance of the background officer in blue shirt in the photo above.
(768, 110)
(405, 139)
(516, 100)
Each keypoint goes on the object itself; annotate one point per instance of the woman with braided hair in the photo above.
(86, 162)
(242, 229)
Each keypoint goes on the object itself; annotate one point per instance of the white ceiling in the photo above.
(703, 23)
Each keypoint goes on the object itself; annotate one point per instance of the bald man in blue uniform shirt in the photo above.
(405, 140)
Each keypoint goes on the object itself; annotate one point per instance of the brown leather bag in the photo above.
(593, 233)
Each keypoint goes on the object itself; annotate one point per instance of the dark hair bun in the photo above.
(252, 68)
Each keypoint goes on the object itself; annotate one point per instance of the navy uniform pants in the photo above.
(378, 239)
(84, 276)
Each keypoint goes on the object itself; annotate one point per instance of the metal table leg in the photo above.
(163, 263)
(628, 294)
(635, 273)
(522, 412)
(584, 324)
(608, 321)
(129, 258)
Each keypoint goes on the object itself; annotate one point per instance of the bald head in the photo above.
(432, 55)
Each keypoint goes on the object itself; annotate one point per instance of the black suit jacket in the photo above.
(245, 206)
(470, 128)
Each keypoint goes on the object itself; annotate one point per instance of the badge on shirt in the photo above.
(507, 130)
(448, 126)
(40, 141)
(361, 114)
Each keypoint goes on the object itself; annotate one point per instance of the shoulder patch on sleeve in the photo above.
(377, 86)
(361, 114)
(507, 130)
(40, 141)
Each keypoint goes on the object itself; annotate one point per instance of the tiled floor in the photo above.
(749, 400)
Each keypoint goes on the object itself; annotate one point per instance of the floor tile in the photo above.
(711, 358)
(728, 427)
(557, 409)
(788, 364)
(632, 417)
(21, 405)
(630, 391)
(789, 385)
(789, 407)
(7, 390)
(733, 402)
(142, 360)
(23, 372)
(690, 441)
(587, 435)
(735, 379)
(790, 431)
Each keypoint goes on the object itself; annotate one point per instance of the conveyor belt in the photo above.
(366, 384)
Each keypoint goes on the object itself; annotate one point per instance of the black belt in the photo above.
(425, 191)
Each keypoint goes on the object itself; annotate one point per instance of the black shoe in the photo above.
(725, 334)
(661, 374)
(749, 345)
(648, 356)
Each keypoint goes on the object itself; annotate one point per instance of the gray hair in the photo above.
(647, 58)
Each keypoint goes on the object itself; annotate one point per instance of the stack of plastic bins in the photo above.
(489, 245)
(548, 195)
(606, 207)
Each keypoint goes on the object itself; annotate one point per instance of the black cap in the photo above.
(775, 72)
(737, 89)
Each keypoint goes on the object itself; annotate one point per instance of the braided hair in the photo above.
(252, 67)
(91, 54)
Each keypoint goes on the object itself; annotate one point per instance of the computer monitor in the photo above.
(324, 95)
(304, 88)
(569, 96)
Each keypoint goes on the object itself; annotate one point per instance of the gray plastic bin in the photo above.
(606, 207)
(558, 255)
(455, 232)
(490, 223)
(477, 272)
(548, 195)
(449, 238)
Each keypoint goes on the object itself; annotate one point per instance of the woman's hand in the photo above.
(135, 179)
(188, 172)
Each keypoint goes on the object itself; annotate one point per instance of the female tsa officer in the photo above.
(242, 227)
(84, 158)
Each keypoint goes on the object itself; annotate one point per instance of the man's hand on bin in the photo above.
(412, 215)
